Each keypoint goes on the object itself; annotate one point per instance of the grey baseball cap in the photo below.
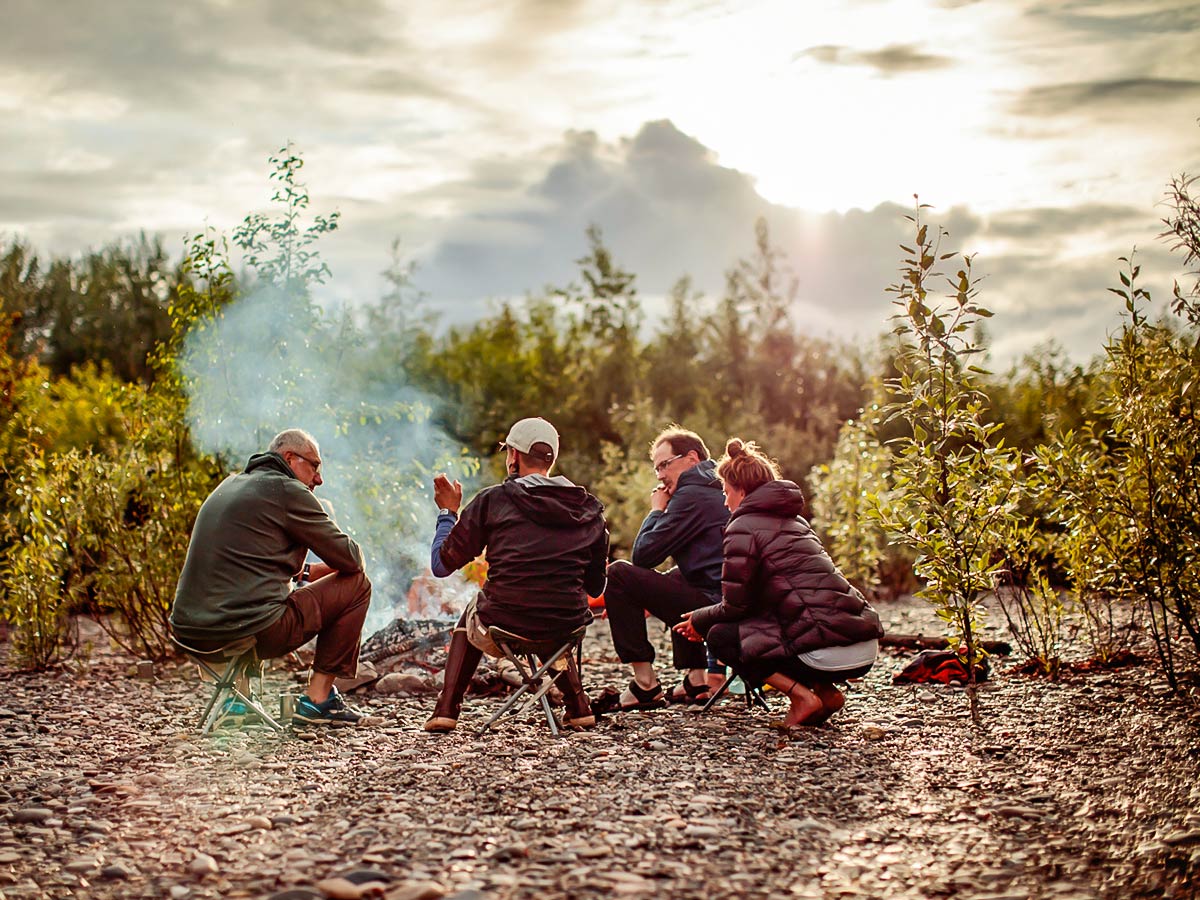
(527, 432)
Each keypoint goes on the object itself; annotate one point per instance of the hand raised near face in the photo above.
(447, 495)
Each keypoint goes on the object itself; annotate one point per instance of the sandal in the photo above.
(610, 699)
(692, 693)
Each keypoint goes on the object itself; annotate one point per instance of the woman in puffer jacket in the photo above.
(787, 616)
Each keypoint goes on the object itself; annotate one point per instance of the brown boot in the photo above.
(578, 709)
(461, 662)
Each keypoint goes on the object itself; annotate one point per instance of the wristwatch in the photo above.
(305, 572)
(443, 512)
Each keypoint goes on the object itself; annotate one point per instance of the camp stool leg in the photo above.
(239, 663)
(514, 646)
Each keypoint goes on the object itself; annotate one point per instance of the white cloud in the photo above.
(489, 136)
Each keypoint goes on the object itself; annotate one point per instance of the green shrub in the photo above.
(953, 481)
(849, 492)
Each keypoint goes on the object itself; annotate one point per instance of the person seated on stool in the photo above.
(685, 522)
(787, 616)
(248, 544)
(546, 544)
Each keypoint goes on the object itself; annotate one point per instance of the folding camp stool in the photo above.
(754, 694)
(231, 667)
(523, 653)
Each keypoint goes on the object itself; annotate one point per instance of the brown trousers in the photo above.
(331, 609)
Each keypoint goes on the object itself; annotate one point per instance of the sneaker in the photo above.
(235, 714)
(232, 714)
(333, 711)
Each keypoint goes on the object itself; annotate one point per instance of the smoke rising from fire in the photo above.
(270, 363)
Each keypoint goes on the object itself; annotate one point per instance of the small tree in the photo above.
(952, 478)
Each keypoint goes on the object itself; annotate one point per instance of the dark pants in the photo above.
(725, 644)
(331, 609)
(632, 592)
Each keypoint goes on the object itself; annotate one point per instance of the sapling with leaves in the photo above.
(952, 476)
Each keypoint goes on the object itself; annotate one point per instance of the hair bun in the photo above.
(734, 447)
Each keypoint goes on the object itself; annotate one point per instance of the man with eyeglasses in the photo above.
(686, 523)
(248, 546)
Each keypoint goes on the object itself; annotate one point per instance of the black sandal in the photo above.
(610, 699)
(692, 693)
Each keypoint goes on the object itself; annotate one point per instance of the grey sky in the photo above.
(487, 137)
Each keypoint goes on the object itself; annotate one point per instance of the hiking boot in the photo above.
(461, 662)
(333, 711)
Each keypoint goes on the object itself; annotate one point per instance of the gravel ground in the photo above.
(1081, 789)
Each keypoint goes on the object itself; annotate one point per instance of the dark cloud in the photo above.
(204, 55)
(1039, 295)
(895, 59)
(1099, 17)
(1132, 94)
(329, 26)
(667, 208)
(1044, 221)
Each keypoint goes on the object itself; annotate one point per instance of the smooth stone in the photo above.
(340, 889)
(363, 876)
(32, 815)
(203, 864)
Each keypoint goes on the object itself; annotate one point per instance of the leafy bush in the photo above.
(1128, 497)
(1035, 609)
(952, 479)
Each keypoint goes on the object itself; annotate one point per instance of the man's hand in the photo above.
(447, 495)
(659, 498)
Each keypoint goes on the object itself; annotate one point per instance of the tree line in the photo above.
(116, 364)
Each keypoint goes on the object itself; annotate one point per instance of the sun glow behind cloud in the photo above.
(822, 136)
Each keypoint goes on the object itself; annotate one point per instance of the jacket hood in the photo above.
(272, 461)
(775, 498)
(703, 474)
(554, 504)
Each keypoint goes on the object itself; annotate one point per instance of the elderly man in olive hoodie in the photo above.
(246, 551)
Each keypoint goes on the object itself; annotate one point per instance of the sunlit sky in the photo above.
(486, 137)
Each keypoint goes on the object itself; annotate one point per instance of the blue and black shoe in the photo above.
(333, 711)
(233, 714)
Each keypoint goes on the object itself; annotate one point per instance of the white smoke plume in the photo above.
(270, 363)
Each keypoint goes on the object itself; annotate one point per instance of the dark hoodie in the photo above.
(780, 585)
(689, 530)
(250, 538)
(546, 548)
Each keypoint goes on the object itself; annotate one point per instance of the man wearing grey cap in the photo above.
(546, 544)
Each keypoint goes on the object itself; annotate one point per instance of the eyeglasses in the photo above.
(316, 466)
(661, 467)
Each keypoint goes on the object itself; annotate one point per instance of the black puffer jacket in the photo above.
(780, 585)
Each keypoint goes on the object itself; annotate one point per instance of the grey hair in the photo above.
(294, 439)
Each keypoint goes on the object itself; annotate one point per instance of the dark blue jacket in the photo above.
(690, 530)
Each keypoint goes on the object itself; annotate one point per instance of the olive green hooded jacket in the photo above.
(250, 539)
